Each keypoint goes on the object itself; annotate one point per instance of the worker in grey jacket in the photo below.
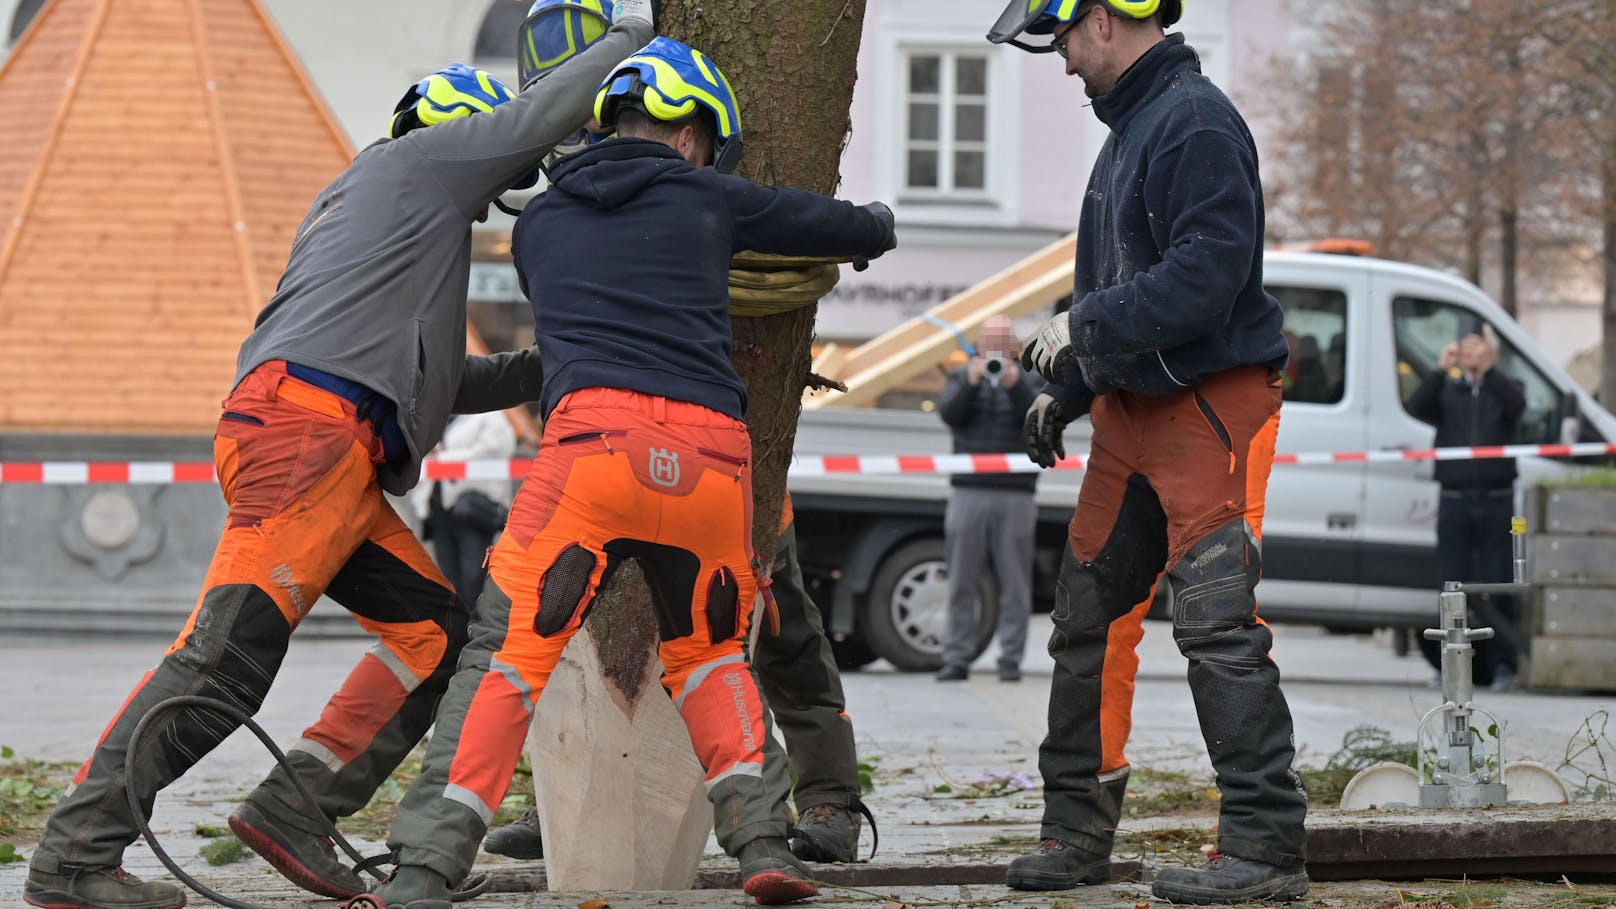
(345, 383)
(991, 517)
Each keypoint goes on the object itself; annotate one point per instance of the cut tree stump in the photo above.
(617, 785)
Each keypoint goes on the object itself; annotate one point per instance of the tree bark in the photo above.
(792, 66)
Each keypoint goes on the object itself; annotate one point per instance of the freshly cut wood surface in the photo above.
(618, 787)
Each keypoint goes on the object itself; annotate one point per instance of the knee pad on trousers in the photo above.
(562, 590)
(1213, 597)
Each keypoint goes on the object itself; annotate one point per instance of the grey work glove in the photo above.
(1050, 351)
(648, 10)
(884, 214)
(1046, 421)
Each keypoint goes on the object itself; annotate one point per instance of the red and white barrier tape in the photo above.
(165, 472)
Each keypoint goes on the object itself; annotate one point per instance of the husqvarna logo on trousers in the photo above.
(664, 467)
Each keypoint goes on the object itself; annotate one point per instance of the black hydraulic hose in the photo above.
(473, 886)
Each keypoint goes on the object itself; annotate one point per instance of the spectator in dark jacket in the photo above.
(991, 517)
(1470, 402)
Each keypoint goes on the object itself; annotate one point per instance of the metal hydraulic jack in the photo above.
(1454, 769)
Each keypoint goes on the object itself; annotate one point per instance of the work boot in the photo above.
(518, 839)
(1230, 879)
(827, 833)
(307, 859)
(408, 887)
(771, 875)
(1058, 865)
(98, 888)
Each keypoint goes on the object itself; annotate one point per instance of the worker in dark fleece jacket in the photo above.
(1176, 348)
(645, 455)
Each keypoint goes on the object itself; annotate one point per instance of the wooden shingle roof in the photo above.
(159, 155)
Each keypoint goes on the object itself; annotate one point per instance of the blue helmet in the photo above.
(669, 81)
(455, 91)
(555, 31)
(1040, 17)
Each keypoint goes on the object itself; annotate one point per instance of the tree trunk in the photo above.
(792, 67)
(1607, 370)
(1475, 226)
(1509, 250)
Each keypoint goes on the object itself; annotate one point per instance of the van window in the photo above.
(1424, 327)
(1316, 329)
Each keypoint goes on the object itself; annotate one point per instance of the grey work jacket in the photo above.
(375, 287)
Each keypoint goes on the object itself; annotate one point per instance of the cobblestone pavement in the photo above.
(950, 761)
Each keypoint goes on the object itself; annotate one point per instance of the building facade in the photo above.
(982, 151)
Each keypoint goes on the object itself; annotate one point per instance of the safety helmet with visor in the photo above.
(1044, 17)
(554, 32)
(455, 91)
(670, 81)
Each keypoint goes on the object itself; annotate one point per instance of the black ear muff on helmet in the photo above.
(404, 116)
(669, 81)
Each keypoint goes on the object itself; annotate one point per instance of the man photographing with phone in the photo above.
(984, 404)
(1471, 402)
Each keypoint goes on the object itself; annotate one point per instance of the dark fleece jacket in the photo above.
(626, 260)
(1169, 256)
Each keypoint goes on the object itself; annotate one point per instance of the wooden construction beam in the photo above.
(907, 350)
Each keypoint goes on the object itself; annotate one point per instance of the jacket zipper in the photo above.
(1217, 427)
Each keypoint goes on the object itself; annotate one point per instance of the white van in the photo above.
(1349, 545)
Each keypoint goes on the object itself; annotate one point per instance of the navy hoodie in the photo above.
(626, 260)
(1169, 254)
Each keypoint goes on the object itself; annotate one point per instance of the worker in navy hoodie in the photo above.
(1174, 350)
(645, 455)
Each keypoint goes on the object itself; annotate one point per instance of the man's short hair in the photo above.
(632, 121)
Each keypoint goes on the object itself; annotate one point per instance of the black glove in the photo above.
(1046, 421)
(885, 216)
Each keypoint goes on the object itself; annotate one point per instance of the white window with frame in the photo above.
(945, 125)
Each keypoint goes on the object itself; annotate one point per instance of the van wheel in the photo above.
(905, 616)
